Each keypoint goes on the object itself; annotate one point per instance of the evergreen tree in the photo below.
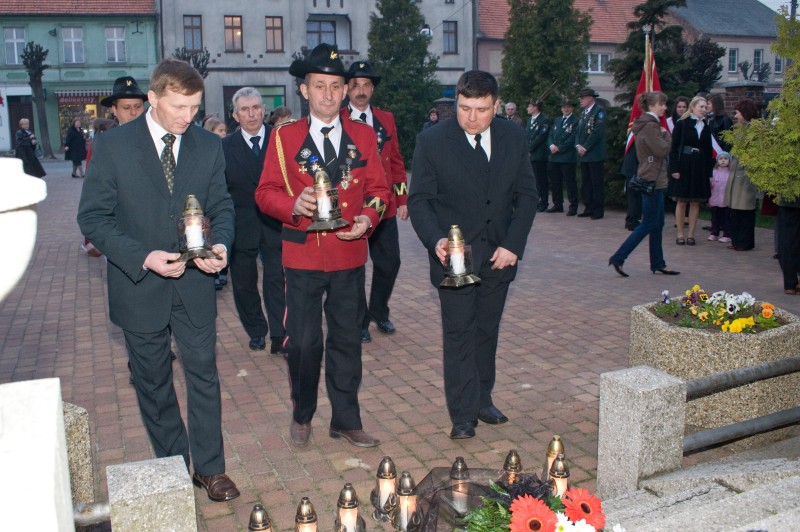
(33, 58)
(399, 53)
(703, 65)
(668, 47)
(545, 49)
(198, 59)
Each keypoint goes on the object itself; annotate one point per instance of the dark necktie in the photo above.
(479, 149)
(330, 152)
(256, 148)
(168, 160)
(363, 117)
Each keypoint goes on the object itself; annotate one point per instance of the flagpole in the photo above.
(648, 58)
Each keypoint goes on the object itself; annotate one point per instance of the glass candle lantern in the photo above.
(327, 216)
(306, 518)
(259, 520)
(194, 232)
(347, 517)
(556, 446)
(383, 496)
(559, 473)
(512, 467)
(458, 262)
(406, 502)
(459, 485)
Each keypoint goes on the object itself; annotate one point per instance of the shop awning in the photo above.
(80, 97)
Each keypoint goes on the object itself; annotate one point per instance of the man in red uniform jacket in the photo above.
(384, 242)
(329, 263)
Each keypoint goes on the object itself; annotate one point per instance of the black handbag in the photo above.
(642, 186)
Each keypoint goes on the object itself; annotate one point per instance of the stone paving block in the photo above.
(151, 496)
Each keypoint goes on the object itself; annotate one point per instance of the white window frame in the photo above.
(116, 47)
(72, 37)
(733, 59)
(15, 43)
(601, 65)
(779, 63)
(758, 58)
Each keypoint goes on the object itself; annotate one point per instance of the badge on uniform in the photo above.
(305, 153)
(347, 175)
(303, 168)
(351, 151)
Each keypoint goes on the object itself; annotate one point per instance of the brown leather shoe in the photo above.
(300, 433)
(220, 488)
(357, 437)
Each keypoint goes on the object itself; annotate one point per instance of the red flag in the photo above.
(635, 111)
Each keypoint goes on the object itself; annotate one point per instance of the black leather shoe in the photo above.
(220, 488)
(667, 272)
(276, 347)
(365, 336)
(491, 415)
(258, 343)
(618, 269)
(572, 212)
(386, 327)
(585, 214)
(597, 217)
(555, 209)
(541, 208)
(462, 431)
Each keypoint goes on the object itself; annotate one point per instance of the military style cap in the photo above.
(567, 100)
(588, 92)
(324, 59)
(363, 69)
(124, 87)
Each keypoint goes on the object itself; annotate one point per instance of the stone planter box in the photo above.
(691, 353)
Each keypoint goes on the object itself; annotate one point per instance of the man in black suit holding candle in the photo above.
(473, 170)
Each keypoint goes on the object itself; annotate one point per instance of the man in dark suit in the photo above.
(474, 171)
(563, 159)
(132, 198)
(325, 264)
(538, 130)
(590, 143)
(256, 233)
(384, 242)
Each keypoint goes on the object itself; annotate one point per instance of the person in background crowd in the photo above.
(691, 163)
(538, 130)
(75, 147)
(680, 107)
(563, 159)
(511, 114)
(133, 194)
(719, 121)
(433, 119)
(99, 125)
(126, 100)
(216, 126)
(741, 195)
(257, 235)
(652, 150)
(384, 242)
(279, 115)
(720, 213)
(590, 143)
(25, 149)
(325, 266)
(485, 184)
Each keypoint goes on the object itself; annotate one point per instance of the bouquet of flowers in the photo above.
(527, 506)
(731, 313)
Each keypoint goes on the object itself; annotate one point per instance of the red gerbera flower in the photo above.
(580, 504)
(529, 513)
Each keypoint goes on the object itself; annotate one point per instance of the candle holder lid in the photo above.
(459, 471)
(556, 446)
(513, 463)
(348, 497)
(259, 519)
(305, 512)
(455, 236)
(386, 468)
(405, 486)
(560, 468)
(192, 206)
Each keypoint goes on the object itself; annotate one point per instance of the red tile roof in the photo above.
(78, 7)
(610, 18)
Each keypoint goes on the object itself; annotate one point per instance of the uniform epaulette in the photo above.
(354, 119)
(290, 121)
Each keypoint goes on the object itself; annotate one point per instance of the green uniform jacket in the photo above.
(562, 134)
(592, 135)
(537, 130)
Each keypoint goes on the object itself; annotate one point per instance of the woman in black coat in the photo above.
(75, 147)
(691, 162)
(26, 150)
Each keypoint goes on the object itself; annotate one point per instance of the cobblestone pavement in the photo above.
(566, 322)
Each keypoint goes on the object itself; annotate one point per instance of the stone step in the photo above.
(630, 508)
(710, 508)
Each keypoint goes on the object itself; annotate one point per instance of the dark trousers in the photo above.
(471, 325)
(652, 226)
(593, 187)
(304, 304)
(540, 173)
(151, 365)
(384, 250)
(789, 245)
(561, 174)
(743, 228)
(720, 221)
(244, 276)
(633, 215)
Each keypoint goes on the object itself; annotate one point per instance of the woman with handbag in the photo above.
(75, 147)
(652, 150)
(691, 163)
(26, 148)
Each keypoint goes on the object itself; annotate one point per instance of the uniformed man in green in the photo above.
(538, 128)
(563, 159)
(590, 143)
